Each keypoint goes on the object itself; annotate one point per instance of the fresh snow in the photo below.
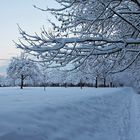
(69, 114)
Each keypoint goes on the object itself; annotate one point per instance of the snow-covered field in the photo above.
(69, 114)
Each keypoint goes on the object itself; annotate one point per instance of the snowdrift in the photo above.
(68, 114)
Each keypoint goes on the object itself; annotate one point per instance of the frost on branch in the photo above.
(88, 28)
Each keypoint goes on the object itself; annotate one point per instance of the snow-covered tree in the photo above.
(88, 27)
(2, 80)
(22, 68)
(129, 77)
(44, 75)
(57, 76)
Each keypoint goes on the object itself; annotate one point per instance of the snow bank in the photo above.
(66, 114)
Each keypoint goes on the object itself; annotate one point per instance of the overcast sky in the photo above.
(13, 12)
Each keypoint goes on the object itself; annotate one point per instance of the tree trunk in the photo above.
(81, 84)
(22, 81)
(44, 87)
(96, 82)
(104, 82)
(111, 84)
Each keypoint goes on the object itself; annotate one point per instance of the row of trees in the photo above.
(25, 72)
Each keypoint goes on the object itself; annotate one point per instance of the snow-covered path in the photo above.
(136, 118)
(69, 114)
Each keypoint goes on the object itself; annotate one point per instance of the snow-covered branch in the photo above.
(87, 28)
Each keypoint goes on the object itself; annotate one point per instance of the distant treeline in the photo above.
(67, 85)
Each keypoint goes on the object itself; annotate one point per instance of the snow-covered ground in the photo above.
(69, 114)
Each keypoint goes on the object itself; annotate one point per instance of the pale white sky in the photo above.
(29, 18)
